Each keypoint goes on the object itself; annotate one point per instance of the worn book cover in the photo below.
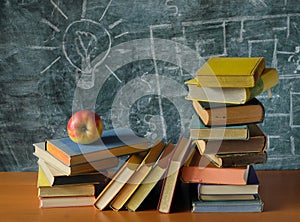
(231, 71)
(216, 114)
(113, 143)
(198, 131)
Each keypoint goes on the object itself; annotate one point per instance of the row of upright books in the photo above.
(209, 170)
(225, 129)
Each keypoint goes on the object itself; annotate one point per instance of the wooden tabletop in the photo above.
(280, 191)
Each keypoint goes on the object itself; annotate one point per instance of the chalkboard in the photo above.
(128, 61)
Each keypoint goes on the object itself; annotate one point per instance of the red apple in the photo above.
(85, 127)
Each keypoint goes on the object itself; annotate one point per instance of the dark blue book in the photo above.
(113, 143)
(255, 205)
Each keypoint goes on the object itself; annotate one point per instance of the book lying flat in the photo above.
(113, 143)
(199, 169)
(219, 189)
(55, 177)
(90, 167)
(227, 197)
(80, 201)
(199, 131)
(237, 159)
(216, 114)
(46, 190)
(257, 142)
(231, 71)
(255, 205)
(268, 79)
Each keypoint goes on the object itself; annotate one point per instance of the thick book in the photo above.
(137, 178)
(216, 114)
(113, 143)
(169, 183)
(118, 181)
(231, 71)
(55, 177)
(151, 181)
(96, 166)
(257, 142)
(268, 79)
(255, 205)
(46, 190)
(250, 188)
(79, 201)
(198, 131)
(199, 169)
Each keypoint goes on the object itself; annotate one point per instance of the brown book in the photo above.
(151, 180)
(257, 142)
(237, 159)
(169, 183)
(214, 114)
(118, 181)
(199, 169)
(137, 178)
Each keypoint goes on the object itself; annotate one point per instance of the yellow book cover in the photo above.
(266, 81)
(233, 72)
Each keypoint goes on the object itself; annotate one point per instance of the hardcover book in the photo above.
(46, 190)
(257, 142)
(152, 180)
(268, 79)
(255, 205)
(199, 169)
(113, 143)
(137, 178)
(237, 159)
(118, 181)
(230, 72)
(216, 114)
(199, 131)
(219, 189)
(55, 177)
(80, 201)
(96, 166)
(169, 183)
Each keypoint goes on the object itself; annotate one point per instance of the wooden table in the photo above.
(280, 190)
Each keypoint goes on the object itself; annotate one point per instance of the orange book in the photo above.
(200, 170)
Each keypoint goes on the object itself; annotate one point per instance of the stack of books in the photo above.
(226, 133)
(72, 174)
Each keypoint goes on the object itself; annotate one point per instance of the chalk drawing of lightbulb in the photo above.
(82, 39)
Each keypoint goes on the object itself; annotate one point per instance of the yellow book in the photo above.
(267, 80)
(233, 72)
(151, 180)
(138, 177)
(46, 190)
(118, 181)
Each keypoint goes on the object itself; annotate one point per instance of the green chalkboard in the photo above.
(128, 61)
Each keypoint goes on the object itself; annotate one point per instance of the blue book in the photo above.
(199, 131)
(113, 143)
(255, 205)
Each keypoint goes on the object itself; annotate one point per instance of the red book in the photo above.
(200, 170)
